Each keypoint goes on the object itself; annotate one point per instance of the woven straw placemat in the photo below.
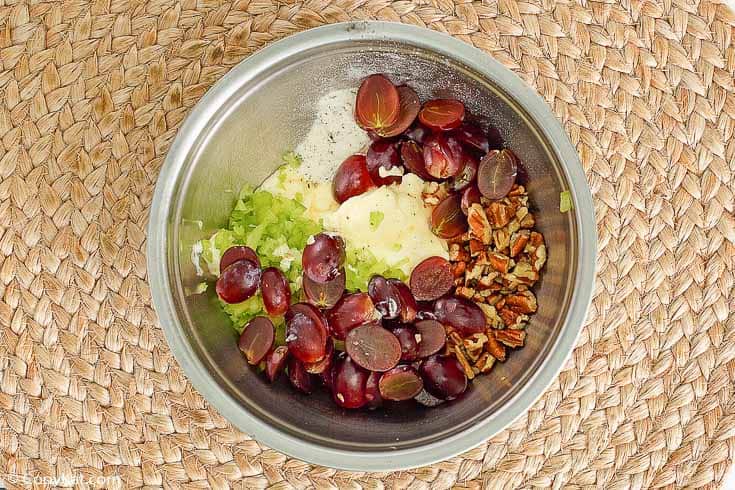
(91, 96)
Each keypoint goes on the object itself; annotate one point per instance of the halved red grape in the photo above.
(324, 294)
(378, 104)
(462, 314)
(323, 257)
(238, 252)
(325, 363)
(372, 390)
(443, 377)
(432, 337)
(306, 333)
(470, 196)
(412, 156)
(447, 219)
(351, 311)
(400, 383)
(385, 297)
(298, 376)
(407, 336)
(383, 154)
(472, 136)
(257, 339)
(497, 173)
(275, 361)
(373, 347)
(407, 302)
(418, 133)
(440, 159)
(238, 282)
(442, 114)
(275, 290)
(409, 109)
(348, 387)
(352, 179)
(431, 278)
(466, 177)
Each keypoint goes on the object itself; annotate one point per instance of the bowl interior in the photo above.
(244, 143)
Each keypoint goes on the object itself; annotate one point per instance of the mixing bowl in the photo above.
(237, 133)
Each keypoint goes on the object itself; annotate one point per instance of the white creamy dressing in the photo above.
(402, 237)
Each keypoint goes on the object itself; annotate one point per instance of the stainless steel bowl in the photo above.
(237, 134)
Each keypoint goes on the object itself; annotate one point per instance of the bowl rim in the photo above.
(184, 143)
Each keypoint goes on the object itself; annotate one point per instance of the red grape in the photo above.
(383, 154)
(466, 177)
(378, 103)
(433, 337)
(441, 159)
(443, 377)
(431, 279)
(470, 196)
(298, 376)
(319, 367)
(442, 114)
(400, 383)
(494, 138)
(275, 290)
(324, 294)
(257, 339)
(385, 297)
(372, 390)
(275, 362)
(412, 156)
(462, 314)
(497, 174)
(351, 311)
(352, 179)
(408, 306)
(472, 136)
(409, 109)
(238, 252)
(349, 384)
(406, 336)
(327, 376)
(373, 347)
(323, 257)
(238, 282)
(447, 219)
(306, 333)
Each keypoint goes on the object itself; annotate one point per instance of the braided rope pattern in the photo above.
(91, 96)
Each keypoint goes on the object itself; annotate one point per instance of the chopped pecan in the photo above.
(474, 273)
(517, 190)
(521, 212)
(536, 240)
(487, 282)
(433, 193)
(485, 363)
(476, 246)
(522, 302)
(522, 273)
(539, 257)
(479, 225)
(499, 262)
(464, 292)
(474, 344)
(501, 238)
(495, 348)
(528, 221)
(518, 242)
(511, 338)
(458, 268)
(512, 319)
(499, 214)
(466, 366)
(457, 253)
(491, 315)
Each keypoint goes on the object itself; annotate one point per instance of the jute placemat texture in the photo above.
(91, 96)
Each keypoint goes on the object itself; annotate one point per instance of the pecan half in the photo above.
(499, 262)
(499, 214)
(523, 302)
